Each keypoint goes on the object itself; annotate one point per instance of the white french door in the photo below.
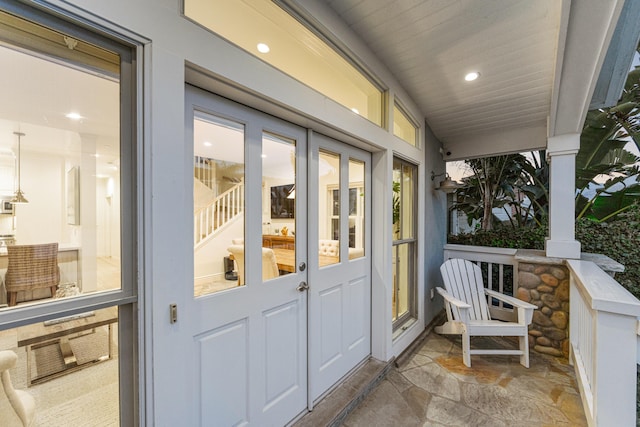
(248, 346)
(339, 287)
(289, 211)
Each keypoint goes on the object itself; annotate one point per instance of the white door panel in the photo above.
(249, 339)
(339, 293)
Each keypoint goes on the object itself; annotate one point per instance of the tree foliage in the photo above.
(607, 175)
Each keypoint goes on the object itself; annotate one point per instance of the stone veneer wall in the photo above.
(547, 287)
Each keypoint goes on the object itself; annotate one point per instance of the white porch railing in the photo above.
(500, 267)
(604, 338)
(218, 213)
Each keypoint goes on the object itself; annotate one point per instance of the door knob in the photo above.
(302, 287)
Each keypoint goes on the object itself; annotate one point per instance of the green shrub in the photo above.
(619, 240)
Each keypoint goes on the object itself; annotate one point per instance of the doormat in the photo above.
(87, 346)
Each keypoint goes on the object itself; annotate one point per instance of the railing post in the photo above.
(603, 334)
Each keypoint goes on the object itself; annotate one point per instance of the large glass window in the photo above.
(403, 127)
(404, 243)
(67, 220)
(265, 30)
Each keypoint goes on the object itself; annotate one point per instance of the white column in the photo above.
(562, 150)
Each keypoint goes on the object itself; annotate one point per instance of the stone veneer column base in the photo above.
(544, 282)
(547, 287)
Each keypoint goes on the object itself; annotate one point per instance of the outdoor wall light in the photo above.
(447, 185)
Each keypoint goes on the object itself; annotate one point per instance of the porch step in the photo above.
(334, 408)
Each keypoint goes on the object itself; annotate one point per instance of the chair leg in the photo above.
(466, 349)
(53, 291)
(13, 296)
(524, 347)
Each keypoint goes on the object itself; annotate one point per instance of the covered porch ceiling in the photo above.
(539, 62)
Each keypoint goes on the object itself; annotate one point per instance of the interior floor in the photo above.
(87, 397)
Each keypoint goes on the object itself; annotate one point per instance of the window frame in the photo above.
(412, 242)
(399, 107)
(131, 194)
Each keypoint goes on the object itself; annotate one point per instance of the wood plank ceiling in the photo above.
(430, 45)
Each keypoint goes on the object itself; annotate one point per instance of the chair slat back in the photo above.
(463, 280)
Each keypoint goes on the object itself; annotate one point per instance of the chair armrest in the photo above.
(452, 300)
(524, 309)
(456, 310)
(509, 300)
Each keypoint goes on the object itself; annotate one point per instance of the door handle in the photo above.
(302, 287)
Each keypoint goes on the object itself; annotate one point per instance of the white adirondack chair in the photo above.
(468, 311)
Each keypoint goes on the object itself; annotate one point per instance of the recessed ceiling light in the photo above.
(263, 48)
(73, 116)
(355, 110)
(472, 76)
(207, 144)
(264, 156)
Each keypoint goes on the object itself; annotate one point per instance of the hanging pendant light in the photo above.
(19, 198)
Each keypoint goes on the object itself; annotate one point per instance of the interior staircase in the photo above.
(213, 215)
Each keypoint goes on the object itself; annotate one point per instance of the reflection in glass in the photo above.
(278, 206)
(329, 202)
(68, 365)
(218, 204)
(356, 209)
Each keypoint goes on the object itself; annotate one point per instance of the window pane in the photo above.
(279, 202)
(403, 127)
(329, 202)
(404, 256)
(69, 366)
(403, 274)
(356, 209)
(293, 49)
(59, 152)
(408, 206)
(218, 204)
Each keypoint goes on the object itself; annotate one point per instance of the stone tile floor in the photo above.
(434, 388)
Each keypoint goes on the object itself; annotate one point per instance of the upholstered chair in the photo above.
(22, 402)
(31, 267)
(269, 263)
(329, 247)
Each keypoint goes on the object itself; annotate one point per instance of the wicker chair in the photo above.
(31, 267)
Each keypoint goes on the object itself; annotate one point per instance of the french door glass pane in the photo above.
(218, 204)
(356, 209)
(278, 206)
(329, 208)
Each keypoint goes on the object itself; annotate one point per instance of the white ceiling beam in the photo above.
(589, 28)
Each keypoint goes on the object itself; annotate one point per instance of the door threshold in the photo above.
(345, 397)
